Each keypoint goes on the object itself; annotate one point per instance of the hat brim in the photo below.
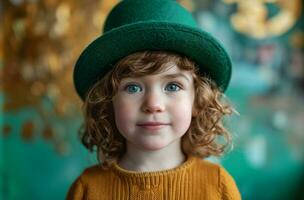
(100, 55)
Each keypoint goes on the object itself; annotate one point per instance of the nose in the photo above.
(153, 102)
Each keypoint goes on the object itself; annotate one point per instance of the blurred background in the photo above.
(40, 152)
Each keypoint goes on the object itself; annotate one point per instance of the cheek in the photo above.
(124, 113)
(182, 115)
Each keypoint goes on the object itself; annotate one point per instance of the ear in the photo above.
(194, 112)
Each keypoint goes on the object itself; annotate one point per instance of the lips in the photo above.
(152, 125)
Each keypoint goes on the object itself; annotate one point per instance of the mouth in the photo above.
(152, 125)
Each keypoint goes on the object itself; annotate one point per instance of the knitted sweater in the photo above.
(194, 179)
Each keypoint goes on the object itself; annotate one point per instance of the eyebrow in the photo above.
(168, 76)
(176, 75)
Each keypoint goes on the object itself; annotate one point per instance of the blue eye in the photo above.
(133, 88)
(173, 87)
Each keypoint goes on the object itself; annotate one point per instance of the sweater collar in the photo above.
(127, 173)
(139, 181)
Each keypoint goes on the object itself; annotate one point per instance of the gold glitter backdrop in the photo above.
(42, 42)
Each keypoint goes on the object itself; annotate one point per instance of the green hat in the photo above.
(137, 25)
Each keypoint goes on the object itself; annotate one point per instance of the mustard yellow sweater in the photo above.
(194, 179)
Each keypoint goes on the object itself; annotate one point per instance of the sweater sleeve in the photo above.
(76, 191)
(228, 187)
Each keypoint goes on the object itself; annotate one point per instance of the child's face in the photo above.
(154, 98)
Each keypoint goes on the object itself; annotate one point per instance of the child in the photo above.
(151, 86)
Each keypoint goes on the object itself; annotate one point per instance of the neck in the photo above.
(146, 161)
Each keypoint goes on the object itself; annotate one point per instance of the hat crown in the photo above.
(137, 11)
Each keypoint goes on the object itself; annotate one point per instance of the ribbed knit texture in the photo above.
(194, 179)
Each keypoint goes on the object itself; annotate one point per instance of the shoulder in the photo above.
(206, 173)
(94, 174)
(89, 183)
(228, 186)
(215, 176)
(213, 169)
(207, 166)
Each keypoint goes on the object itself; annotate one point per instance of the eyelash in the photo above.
(175, 83)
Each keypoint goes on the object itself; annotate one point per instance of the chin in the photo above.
(153, 146)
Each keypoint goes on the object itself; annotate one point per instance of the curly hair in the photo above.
(99, 132)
